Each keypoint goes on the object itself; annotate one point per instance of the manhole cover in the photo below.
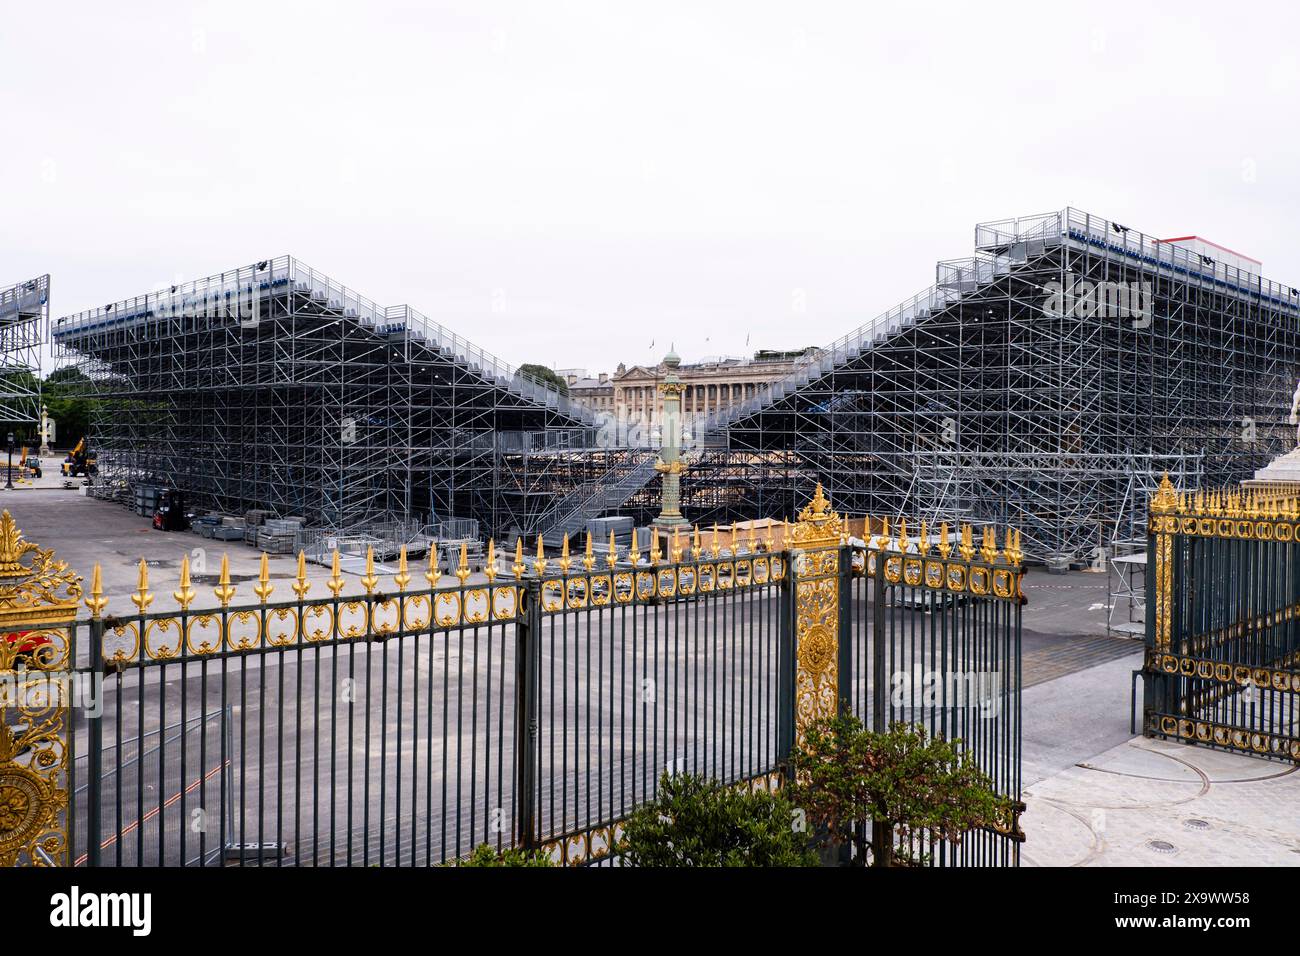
(1161, 846)
(1195, 824)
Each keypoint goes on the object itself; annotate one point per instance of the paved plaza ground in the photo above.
(1096, 794)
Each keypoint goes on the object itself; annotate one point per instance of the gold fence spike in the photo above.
(753, 538)
(184, 594)
(431, 573)
(769, 541)
(989, 546)
(715, 547)
(611, 559)
(301, 586)
(462, 568)
(634, 553)
(882, 540)
(966, 549)
(565, 561)
(403, 577)
(370, 580)
(654, 546)
(224, 590)
(142, 598)
(539, 565)
(335, 582)
(589, 555)
(675, 553)
(945, 546)
(923, 543)
(696, 550)
(96, 601)
(903, 542)
(490, 569)
(263, 587)
(518, 568)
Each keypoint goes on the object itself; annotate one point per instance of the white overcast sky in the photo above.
(617, 173)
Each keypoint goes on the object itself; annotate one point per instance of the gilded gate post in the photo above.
(39, 597)
(816, 538)
(1162, 525)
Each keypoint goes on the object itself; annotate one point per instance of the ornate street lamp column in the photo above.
(45, 432)
(670, 463)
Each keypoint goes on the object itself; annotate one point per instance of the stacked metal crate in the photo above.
(279, 535)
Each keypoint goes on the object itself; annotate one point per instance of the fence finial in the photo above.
(945, 545)
(335, 582)
(715, 548)
(695, 544)
(370, 580)
(432, 574)
(403, 577)
(540, 564)
(611, 559)
(989, 546)
(490, 569)
(1165, 499)
(518, 568)
(263, 587)
(966, 549)
(565, 561)
(589, 554)
(96, 602)
(142, 598)
(301, 586)
(184, 595)
(224, 590)
(462, 569)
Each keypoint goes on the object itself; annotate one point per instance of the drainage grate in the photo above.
(1195, 824)
(1161, 846)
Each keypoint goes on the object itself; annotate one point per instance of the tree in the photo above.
(61, 393)
(546, 376)
(695, 821)
(905, 782)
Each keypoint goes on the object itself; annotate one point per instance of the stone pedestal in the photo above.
(1279, 476)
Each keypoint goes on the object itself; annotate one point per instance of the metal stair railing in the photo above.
(844, 349)
(606, 495)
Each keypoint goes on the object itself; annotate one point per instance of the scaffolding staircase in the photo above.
(606, 494)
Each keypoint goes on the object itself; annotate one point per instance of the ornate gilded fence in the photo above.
(1222, 661)
(409, 723)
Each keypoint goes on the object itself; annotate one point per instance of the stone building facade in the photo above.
(632, 394)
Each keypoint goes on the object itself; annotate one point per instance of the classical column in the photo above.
(670, 463)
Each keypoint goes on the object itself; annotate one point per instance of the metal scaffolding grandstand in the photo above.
(274, 387)
(24, 318)
(1045, 382)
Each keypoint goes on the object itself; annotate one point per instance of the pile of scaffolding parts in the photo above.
(256, 527)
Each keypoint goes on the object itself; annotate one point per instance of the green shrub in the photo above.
(486, 855)
(902, 780)
(700, 822)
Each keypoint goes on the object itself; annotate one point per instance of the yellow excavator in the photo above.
(79, 462)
